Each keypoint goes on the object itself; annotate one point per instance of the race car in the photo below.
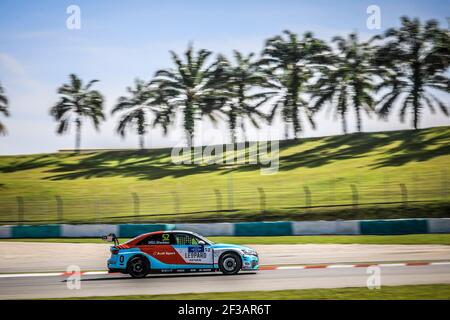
(178, 251)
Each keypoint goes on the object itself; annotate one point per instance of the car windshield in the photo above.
(204, 238)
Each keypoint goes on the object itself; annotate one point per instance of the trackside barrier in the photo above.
(437, 225)
(325, 227)
(5, 232)
(398, 226)
(88, 230)
(277, 228)
(41, 231)
(263, 228)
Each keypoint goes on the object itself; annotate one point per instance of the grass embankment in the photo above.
(399, 239)
(318, 178)
(412, 292)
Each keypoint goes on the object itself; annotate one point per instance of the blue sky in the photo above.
(119, 41)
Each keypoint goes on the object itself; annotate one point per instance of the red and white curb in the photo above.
(359, 265)
(262, 268)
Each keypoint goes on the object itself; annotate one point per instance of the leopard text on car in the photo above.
(178, 251)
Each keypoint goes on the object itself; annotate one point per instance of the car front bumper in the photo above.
(250, 262)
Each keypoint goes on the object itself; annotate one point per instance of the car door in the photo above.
(161, 251)
(195, 254)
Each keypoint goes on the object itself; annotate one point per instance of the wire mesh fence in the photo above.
(218, 201)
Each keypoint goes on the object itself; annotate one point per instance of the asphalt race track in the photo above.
(118, 284)
(20, 257)
(34, 270)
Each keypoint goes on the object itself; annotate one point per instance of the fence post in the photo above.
(20, 210)
(404, 192)
(307, 197)
(218, 200)
(355, 196)
(262, 199)
(136, 206)
(176, 202)
(230, 191)
(59, 209)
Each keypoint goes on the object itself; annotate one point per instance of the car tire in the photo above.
(230, 263)
(138, 267)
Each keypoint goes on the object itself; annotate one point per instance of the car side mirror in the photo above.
(201, 242)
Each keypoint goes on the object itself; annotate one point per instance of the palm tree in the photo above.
(241, 79)
(143, 99)
(291, 62)
(135, 110)
(348, 81)
(3, 109)
(188, 86)
(413, 59)
(77, 102)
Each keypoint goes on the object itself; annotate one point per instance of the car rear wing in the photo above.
(111, 238)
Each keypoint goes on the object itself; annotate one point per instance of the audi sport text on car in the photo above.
(178, 251)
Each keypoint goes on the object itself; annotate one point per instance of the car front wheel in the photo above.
(138, 267)
(230, 263)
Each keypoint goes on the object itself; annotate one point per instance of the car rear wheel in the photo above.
(138, 267)
(230, 263)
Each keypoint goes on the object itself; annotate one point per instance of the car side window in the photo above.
(185, 239)
(159, 239)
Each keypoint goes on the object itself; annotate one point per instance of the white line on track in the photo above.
(19, 275)
(331, 266)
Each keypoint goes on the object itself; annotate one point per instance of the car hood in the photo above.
(226, 245)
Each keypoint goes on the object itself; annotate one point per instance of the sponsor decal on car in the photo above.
(195, 253)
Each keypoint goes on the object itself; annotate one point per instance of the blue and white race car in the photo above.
(178, 251)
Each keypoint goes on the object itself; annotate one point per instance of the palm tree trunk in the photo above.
(233, 136)
(232, 125)
(78, 135)
(189, 123)
(416, 92)
(358, 118)
(416, 111)
(296, 123)
(190, 144)
(286, 131)
(189, 138)
(141, 141)
(344, 123)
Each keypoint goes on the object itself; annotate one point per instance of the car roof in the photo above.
(168, 231)
(144, 235)
(140, 237)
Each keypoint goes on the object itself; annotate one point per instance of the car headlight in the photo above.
(250, 252)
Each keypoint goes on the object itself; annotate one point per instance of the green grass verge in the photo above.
(324, 174)
(412, 292)
(397, 239)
